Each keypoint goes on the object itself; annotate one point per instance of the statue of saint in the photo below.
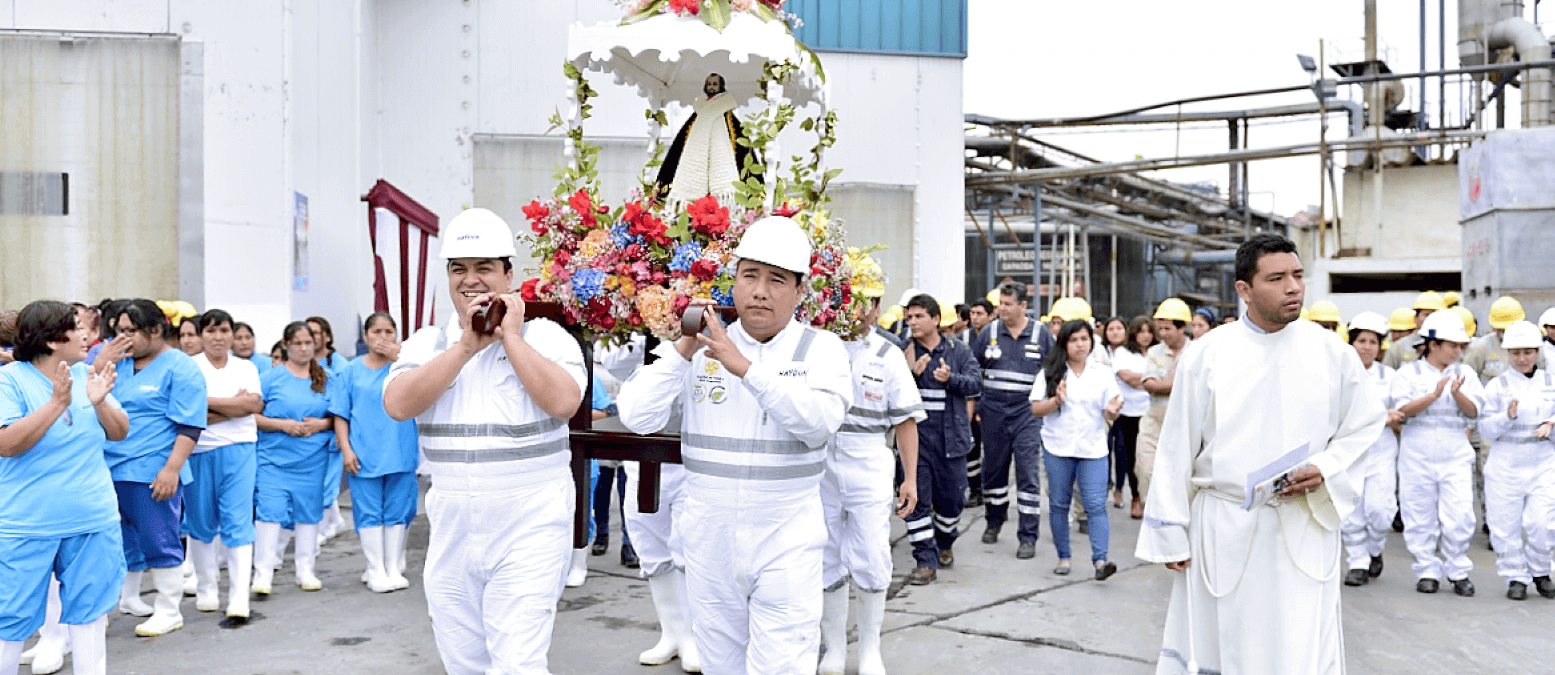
(705, 157)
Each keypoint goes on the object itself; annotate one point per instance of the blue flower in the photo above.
(588, 284)
(685, 255)
(723, 297)
(618, 234)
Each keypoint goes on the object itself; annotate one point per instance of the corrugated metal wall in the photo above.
(919, 27)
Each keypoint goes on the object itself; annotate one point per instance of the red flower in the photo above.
(659, 278)
(774, 4)
(537, 213)
(785, 210)
(635, 319)
(680, 303)
(562, 257)
(704, 269)
(581, 203)
(691, 7)
(527, 291)
(708, 217)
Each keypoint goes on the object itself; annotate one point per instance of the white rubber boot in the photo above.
(672, 625)
(266, 539)
(129, 598)
(871, 615)
(48, 655)
(689, 659)
(400, 559)
(304, 556)
(10, 655)
(191, 583)
(240, 567)
(91, 647)
(393, 554)
(580, 568)
(331, 523)
(207, 597)
(169, 582)
(372, 550)
(834, 631)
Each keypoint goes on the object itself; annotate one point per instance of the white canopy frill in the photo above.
(667, 57)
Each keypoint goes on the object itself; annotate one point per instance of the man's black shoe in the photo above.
(1375, 569)
(1463, 587)
(974, 500)
(1027, 549)
(1357, 578)
(629, 556)
(991, 535)
(1426, 586)
(1517, 590)
(1545, 586)
(601, 544)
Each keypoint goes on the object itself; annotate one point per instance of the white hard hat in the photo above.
(477, 233)
(1444, 326)
(911, 293)
(1371, 321)
(1522, 335)
(776, 241)
(1548, 317)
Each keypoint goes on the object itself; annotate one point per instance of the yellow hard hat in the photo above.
(1430, 300)
(1045, 318)
(1401, 319)
(1072, 309)
(1306, 314)
(1505, 311)
(947, 314)
(1451, 299)
(868, 279)
(892, 315)
(992, 297)
(1173, 309)
(176, 311)
(1468, 319)
(1324, 310)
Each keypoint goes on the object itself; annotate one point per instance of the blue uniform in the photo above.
(334, 469)
(291, 470)
(944, 439)
(383, 491)
(1011, 365)
(167, 394)
(220, 501)
(58, 514)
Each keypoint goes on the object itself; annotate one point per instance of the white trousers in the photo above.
(753, 574)
(1436, 498)
(498, 557)
(653, 534)
(1519, 503)
(1366, 529)
(857, 500)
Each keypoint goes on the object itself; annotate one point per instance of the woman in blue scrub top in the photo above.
(380, 455)
(163, 393)
(324, 352)
(58, 512)
(295, 438)
(243, 346)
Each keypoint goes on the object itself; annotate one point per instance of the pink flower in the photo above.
(685, 7)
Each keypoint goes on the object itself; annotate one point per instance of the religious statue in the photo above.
(705, 157)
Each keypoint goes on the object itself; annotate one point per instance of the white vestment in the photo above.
(1261, 594)
(707, 160)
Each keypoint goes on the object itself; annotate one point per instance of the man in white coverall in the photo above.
(760, 401)
(1259, 589)
(1520, 472)
(491, 413)
(856, 490)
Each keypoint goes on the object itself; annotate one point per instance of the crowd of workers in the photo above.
(143, 440)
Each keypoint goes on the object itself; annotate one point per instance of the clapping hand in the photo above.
(942, 373)
(1061, 392)
(62, 385)
(1457, 385)
(919, 365)
(99, 384)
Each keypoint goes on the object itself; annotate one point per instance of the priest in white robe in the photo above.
(1258, 589)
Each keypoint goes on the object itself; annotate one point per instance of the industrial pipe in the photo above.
(1531, 45)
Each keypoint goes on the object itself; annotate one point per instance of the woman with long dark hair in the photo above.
(1128, 366)
(324, 352)
(57, 503)
(1078, 398)
(379, 454)
(295, 437)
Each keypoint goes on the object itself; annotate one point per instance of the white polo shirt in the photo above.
(1078, 429)
(486, 423)
(238, 375)
(1136, 401)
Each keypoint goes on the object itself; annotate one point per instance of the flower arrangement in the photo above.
(715, 13)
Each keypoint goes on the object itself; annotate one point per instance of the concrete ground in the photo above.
(991, 614)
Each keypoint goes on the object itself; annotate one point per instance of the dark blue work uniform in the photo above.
(944, 439)
(1010, 365)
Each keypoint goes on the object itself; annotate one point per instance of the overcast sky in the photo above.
(1039, 58)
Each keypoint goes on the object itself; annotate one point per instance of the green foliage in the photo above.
(651, 10)
(583, 172)
(716, 14)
